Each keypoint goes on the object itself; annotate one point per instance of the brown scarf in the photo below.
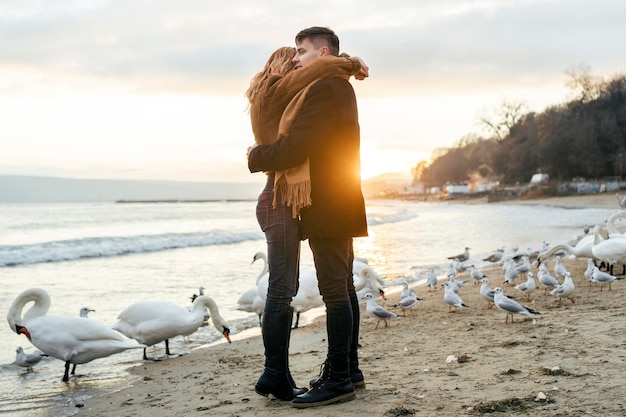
(293, 184)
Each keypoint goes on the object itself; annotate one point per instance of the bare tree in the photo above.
(582, 82)
(502, 120)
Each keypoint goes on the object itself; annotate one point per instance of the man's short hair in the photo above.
(320, 36)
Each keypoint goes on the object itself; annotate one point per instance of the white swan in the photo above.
(308, 295)
(251, 299)
(581, 250)
(610, 251)
(151, 322)
(71, 339)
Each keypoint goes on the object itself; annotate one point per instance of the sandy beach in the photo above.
(567, 361)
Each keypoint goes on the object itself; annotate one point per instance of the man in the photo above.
(325, 131)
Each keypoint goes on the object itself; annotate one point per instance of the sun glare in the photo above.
(375, 161)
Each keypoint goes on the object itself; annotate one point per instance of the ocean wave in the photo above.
(402, 216)
(96, 247)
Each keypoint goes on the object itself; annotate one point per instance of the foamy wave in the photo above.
(373, 219)
(94, 247)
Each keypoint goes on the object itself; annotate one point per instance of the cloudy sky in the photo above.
(154, 89)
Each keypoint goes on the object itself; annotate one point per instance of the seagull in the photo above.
(486, 292)
(510, 306)
(458, 266)
(451, 298)
(27, 360)
(151, 322)
(406, 291)
(495, 256)
(84, 312)
(602, 278)
(510, 271)
(559, 268)
(565, 290)
(431, 281)
(408, 302)
(528, 286)
(463, 256)
(379, 313)
(546, 279)
(524, 267)
(454, 284)
(71, 339)
(476, 274)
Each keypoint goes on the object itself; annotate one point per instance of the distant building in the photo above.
(539, 178)
(457, 189)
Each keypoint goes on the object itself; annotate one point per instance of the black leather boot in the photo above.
(355, 373)
(276, 378)
(333, 386)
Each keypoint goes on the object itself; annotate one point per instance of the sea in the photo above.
(108, 255)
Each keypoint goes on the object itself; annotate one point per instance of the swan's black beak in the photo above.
(382, 294)
(226, 334)
(22, 330)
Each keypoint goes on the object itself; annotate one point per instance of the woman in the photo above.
(269, 94)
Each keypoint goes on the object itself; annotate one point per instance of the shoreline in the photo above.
(572, 354)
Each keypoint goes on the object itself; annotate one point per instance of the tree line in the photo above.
(584, 137)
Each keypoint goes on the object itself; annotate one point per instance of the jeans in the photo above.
(283, 250)
(333, 261)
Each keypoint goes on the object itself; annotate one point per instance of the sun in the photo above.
(376, 161)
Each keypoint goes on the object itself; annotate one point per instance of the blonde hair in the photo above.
(280, 62)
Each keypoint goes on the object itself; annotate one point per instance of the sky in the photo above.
(154, 89)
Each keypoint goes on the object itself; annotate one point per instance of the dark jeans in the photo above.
(333, 262)
(283, 250)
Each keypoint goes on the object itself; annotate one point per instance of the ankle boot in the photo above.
(356, 376)
(333, 386)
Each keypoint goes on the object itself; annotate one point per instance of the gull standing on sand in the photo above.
(524, 267)
(510, 306)
(547, 280)
(458, 265)
(451, 298)
(408, 302)
(486, 292)
(559, 268)
(463, 256)
(510, 271)
(432, 281)
(27, 360)
(565, 290)
(495, 256)
(379, 313)
(476, 274)
(602, 278)
(528, 286)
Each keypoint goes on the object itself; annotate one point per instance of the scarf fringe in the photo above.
(295, 195)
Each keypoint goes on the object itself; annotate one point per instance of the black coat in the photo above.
(326, 130)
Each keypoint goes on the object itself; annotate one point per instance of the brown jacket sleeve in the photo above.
(266, 111)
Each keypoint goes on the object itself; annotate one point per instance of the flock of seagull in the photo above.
(80, 339)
